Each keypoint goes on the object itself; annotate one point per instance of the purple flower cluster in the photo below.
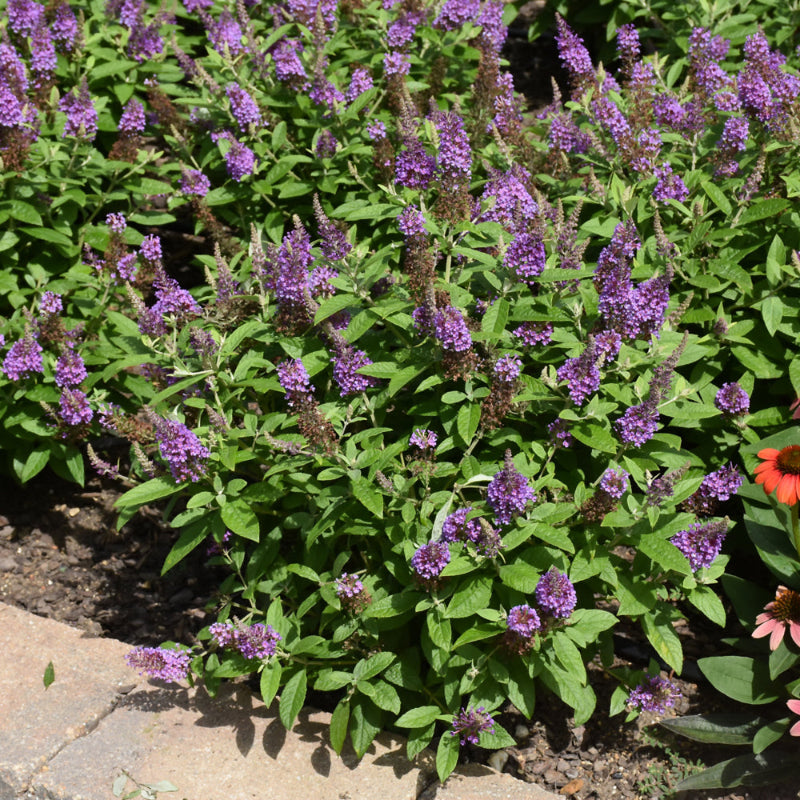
(243, 107)
(396, 63)
(185, 455)
(717, 487)
(559, 433)
(252, 641)
(64, 28)
(524, 621)
(225, 34)
(133, 118)
(670, 186)
(525, 257)
(411, 222)
(423, 439)
(507, 369)
(240, 160)
(575, 58)
(50, 304)
(628, 45)
(702, 542)
(581, 373)
(454, 156)
(346, 362)
(294, 379)
(565, 135)
(533, 333)
(160, 663)
(70, 369)
(508, 492)
(413, 167)
(513, 205)
(732, 142)
(765, 91)
(555, 594)
(288, 66)
(172, 302)
(360, 82)
(73, 407)
(292, 265)
(348, 586)
(116, 223)
(457, 528)
(376, 130)
(469, 723)
(430, 559)
(614, 482)
(150, 249)
(81, 113)
(333, 241)
(326, 144)
(732, 400)
(654, 694)
(193, 182)
(638, 424)
(451, 330)
(706, 53)
(24, 357)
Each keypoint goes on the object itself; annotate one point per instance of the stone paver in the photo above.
(36, 723)
(98, 719)
(228, 747)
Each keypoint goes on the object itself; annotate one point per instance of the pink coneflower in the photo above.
(794, 705)
(782, 613)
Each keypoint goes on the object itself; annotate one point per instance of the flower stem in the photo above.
(795, 514)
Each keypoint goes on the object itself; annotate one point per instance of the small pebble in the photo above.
(498, 759)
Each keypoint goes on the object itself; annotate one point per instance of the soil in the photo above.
(61, 557)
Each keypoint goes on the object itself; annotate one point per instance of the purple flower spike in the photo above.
(509, 493)
(158, 662)
(80, 111)
(423, 439)
(181, 449)
(469, 723)
(654, 694)
(23, 358)
(701, 543)
(74, 407)
(555, 594)
(614, 482)
(430, 559)
(524, 621)
(732, 400)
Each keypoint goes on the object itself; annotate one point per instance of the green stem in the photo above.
(795, 514)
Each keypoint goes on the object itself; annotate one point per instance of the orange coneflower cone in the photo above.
(780, 470)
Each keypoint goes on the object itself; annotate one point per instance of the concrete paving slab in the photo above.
(229, 747)
(36, 723)
(477, 782)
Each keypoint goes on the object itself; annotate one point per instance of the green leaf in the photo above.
(586, 624)
(769, 734)
(781, 659)
(147, 492)
(735, 729)
(762, 210)
(49, 675)
(666, 642)
(391, 606)
(419, 717)
(634, 598)
(365, 492)
(35, 462)
(365, 724)
(339, 720)
(270, 681)
(664, 554)
(497, 740)
(705, 600)
(520, 576)
(471, 596)
(292, 698)
(494, 320)
(374, 665)
(446, 756)
(717, 196)
(469, 416)
(595, 436)
(418, 740)
(772, 313)
(521, 688)
(241, 519)
(750, 770)
(384, 695)
(190, 538)
(744, 679)
(569, 656)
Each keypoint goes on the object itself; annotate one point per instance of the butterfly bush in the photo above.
(447, 390)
